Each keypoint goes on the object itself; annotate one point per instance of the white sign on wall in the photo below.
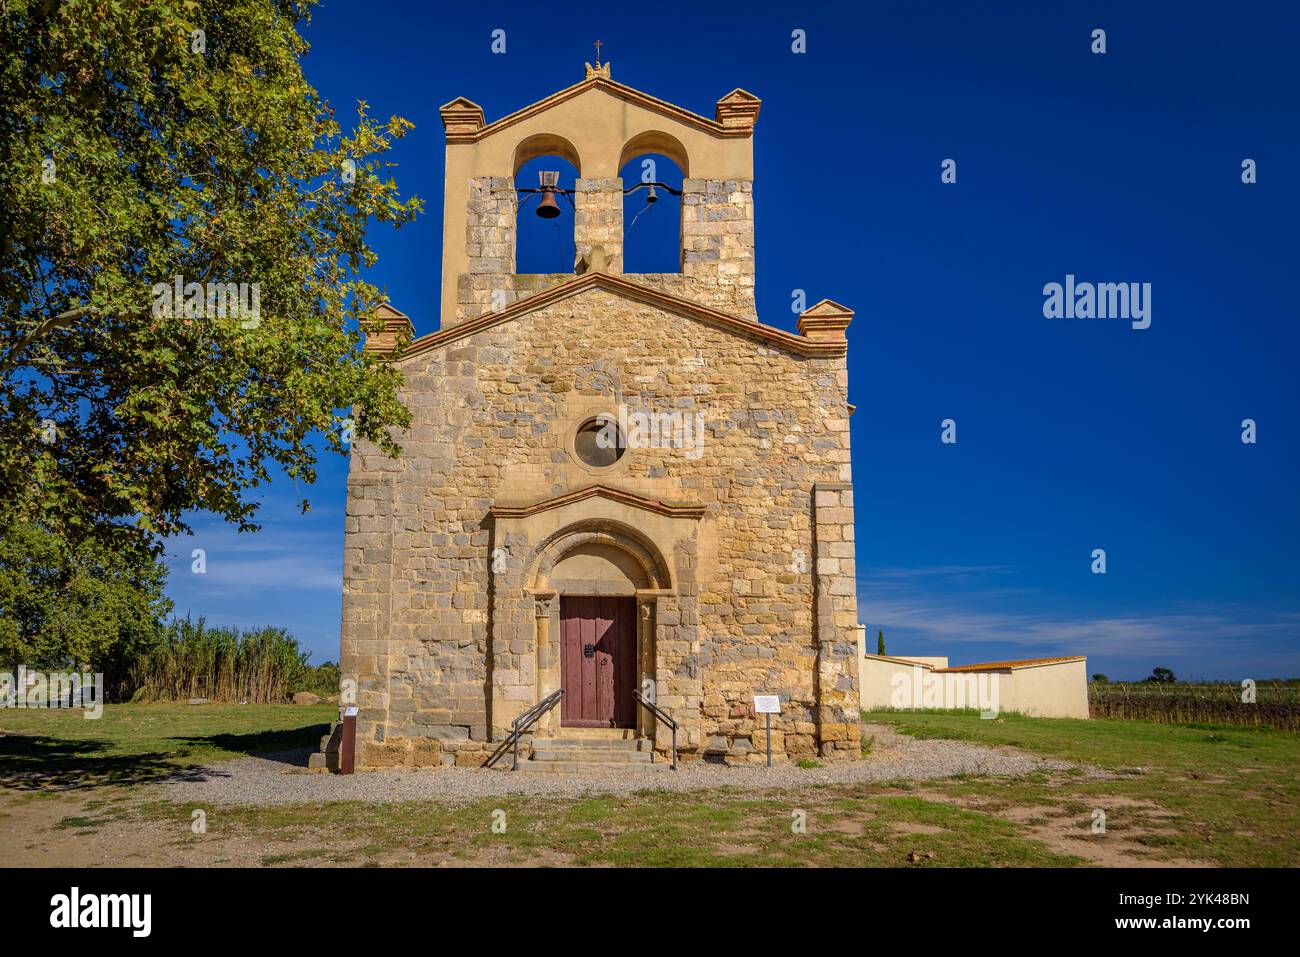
(767, 704)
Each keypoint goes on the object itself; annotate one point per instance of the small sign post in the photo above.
(348, 746)
(768, 705)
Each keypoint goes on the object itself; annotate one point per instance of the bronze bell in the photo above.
(548, 208)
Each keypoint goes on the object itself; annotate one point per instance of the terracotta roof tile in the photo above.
(1005, 665)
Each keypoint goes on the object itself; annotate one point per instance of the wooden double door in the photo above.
(597, 661)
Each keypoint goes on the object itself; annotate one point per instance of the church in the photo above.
(624, 506)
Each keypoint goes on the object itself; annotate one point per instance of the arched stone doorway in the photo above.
(596, 542)
(596, 584)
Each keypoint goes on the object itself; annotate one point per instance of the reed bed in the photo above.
(259, 666)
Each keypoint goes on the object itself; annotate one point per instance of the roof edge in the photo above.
(892, 659)
(807, 347)
(461, 131)
(1010, 665)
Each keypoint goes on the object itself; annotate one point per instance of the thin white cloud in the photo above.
(921, 612)
(284, 555)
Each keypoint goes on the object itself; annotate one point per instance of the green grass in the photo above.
(1232, 793)
(1224, 795)
(53, 752)
(53, 749)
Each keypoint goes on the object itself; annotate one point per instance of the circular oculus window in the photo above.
(599, 443)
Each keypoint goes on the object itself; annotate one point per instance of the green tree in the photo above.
(92, 604)
(1161, 676)
(880, 642)
(1100, 679)
(145, 140)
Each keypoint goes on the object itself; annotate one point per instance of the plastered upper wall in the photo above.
(598, 125)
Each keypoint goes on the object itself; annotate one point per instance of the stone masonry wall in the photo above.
(492, 413)
(490, 243)
(598, 224)
(718, 243)
(836, 606)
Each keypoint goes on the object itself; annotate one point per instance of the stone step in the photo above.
(598, 734)
(319, 761)
(606, 755)
(331, 742)
(573, 767)
(603, 744)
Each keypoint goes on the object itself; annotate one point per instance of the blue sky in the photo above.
(1072, 434)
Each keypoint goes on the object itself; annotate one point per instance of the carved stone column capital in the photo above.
(542, 604)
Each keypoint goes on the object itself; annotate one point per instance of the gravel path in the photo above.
(280, 779)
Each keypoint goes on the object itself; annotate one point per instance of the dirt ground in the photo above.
(1060, 831)
(89, 831)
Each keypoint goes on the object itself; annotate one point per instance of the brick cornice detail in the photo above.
(396, 327)
(825, 322)
(738, 110)
(461, 118)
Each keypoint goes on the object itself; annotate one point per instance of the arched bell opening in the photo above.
(652, 212)
(546, 172)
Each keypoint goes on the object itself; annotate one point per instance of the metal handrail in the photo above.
(526, 720)
(663, 716)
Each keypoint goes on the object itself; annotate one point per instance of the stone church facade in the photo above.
(508, 553)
